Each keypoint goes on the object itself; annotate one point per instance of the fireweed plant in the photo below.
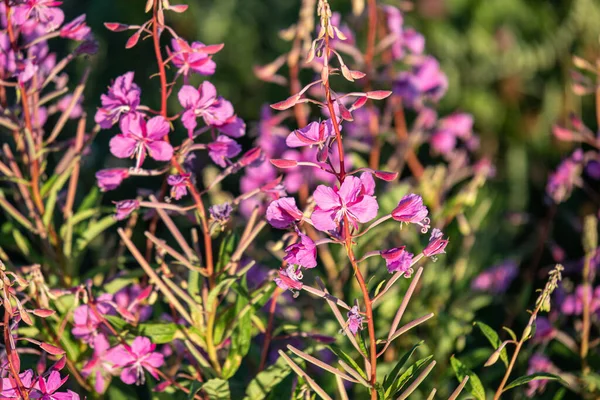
(189, 320)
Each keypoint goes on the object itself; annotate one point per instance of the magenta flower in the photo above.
(178, 184)
(436, 244)
(123, 97)
(76, 29)
(496, 279)
(283, 212)
(355, 320)
(565, 178)
(64, 102)
(315, 133)
(135, 359)
(289, 278)
(398, 260)
(9, 388)
(189, 59)
(221, 212)
(44, 11)
(139, 137)
(443, 142)
(303, 253)
(45, 388)
(203, 102)
(573, 303)
(86, 323)
(425, 82)
(110, 179)
(98, 365)
(460, 124)
(539, 363)
(411, 210)
(222, 149)
(125, 207)
(349, 200)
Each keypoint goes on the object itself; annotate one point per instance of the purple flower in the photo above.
(289, 278)
(496, 279)
(398, 260)
(139, 137)
(283, 212)
(128, 301)
(76, 29)
(222, 149)
(539, 363)
(395, 21)
(436, 244)
(203, 102)
(86, 322)
(302, 253)
(135, 359)
(411, 210)
(544, 330)
(460, 124)
(64, 103)
(315, 133)
(9, 388)
(125, 207)
(355, 320)
(573, 303)
(123, 97)
(178, 184)
(220, 212)
(189, 59)
(568, 174)
(425, 82)
(110, 179)
(45, 388)
(44, 11)
(443, 142)
(98, 365)
(350, 200)
(234, 127)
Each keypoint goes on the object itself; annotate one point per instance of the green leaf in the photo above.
(512, 334)
(393, 375)
(406, 376)
(533, 377)
(347, 359)
(474, 385)
(117, 322)
(241, 338)
(228, 246)
(380, 391)
(494, 339)
(217, 389)
(158, 332)
(93, 230)
(194, 388)
(265, 381)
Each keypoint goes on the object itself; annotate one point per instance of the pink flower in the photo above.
(64, 102)
(189, 59)
(411, 210)
(539, 363)
(203, 102)
(355, 320)
(349, 200)
(86, 323)
(460, 124)
(110, 179)
(436, 244)
(398, 260)
(45, 388)
(222, 149)
(139, 137)
(135, 359)
(125, 207)
(315, 133)
(123, 97)
(9, 388)
(303, 253)
(283, 212)
(178, 184)
(98, 365)
(496, 279)
(129, 302)
(76, 29)
(425, 82)
(44, 11)
(289, 278)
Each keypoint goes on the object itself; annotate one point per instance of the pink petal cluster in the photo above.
(351, 200)
(303, 253)
(123, 97)
(398, 260)
(282, 213)
(136, 358)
